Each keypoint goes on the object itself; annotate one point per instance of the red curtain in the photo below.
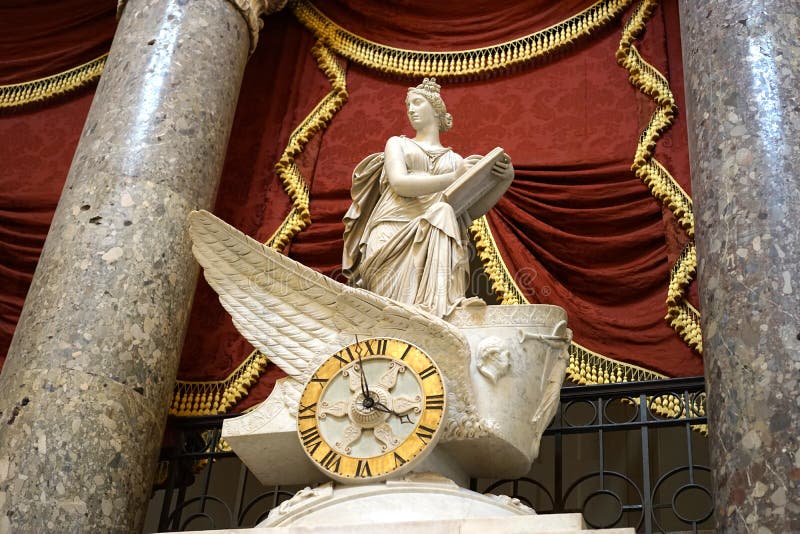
(447, 24)
(39, 38)
(577, 228)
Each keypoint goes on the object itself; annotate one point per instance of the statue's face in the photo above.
(420, 112)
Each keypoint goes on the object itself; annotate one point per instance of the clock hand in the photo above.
(368, 401)
(381, 407)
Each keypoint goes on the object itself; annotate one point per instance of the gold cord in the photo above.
(317, 121)
(20, 95)
(682, 316)
(586, 366)
(219, 396)
(460, 63)
(503, 283)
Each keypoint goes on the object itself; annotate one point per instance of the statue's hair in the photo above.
(430, 91)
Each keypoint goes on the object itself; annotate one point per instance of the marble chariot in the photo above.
(398, 388)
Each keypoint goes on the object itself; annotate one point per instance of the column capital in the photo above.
(252, 11)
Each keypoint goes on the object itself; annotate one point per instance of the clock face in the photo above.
(371, 410)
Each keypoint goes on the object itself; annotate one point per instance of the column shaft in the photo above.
(742, 70)
(92, 365)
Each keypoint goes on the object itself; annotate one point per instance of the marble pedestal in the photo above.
(518, 355)
(542, 524)
(420, 503)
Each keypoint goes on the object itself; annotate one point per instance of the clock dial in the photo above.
(371, 410)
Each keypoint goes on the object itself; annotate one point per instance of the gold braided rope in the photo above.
(296, 187)
(213, 398)
(460, 63)
(217, 397)
(19, 95)
(683, 318)
(586, 366)
(503, 284)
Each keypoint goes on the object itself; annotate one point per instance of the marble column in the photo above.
(92, 365)
(742, 69)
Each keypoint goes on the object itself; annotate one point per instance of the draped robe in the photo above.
(411, 249)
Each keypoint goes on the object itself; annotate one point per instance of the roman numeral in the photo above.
(380, 346)
(307, 412)
(426, 373)
(362, 469)
(331, 461)
(399, 460)
(434, 402)
(405, 353)
(346, 356)
(318, 380)
(310, 436)
(424, 433)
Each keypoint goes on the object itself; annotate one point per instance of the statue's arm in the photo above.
(408, 184)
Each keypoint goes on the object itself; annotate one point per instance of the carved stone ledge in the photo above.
(416, 497)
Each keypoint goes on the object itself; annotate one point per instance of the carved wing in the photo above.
(297, 316)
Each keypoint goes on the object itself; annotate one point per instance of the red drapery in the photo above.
(40, 38)
(577, 228)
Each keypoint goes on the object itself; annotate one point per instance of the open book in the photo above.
(477, 190)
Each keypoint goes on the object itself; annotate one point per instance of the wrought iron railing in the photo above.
(629, 454)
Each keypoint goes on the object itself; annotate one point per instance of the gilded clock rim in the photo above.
(414, 447)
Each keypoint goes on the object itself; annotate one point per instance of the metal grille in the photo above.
(623, 455)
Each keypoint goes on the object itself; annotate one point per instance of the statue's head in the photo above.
(430, 91)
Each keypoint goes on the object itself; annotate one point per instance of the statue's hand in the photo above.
(468, 162)
(503, 169)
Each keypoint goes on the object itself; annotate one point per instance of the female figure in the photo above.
(401, 240)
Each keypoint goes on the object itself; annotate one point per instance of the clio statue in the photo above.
(403, 239)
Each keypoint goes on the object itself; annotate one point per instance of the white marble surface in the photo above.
(415, 497)
(536, 524)
(266, 440)
(517, 364)
(515, 382)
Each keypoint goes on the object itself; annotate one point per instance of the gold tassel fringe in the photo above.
(461, 63)
(214, 398)
(503, 284)
(586, 366)
(19, 95)
(300, 217)
(683, 318)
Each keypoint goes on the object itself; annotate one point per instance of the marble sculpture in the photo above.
(398, 363)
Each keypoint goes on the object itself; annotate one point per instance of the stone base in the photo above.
(531, 524)
(415, 497)
(423, 503)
